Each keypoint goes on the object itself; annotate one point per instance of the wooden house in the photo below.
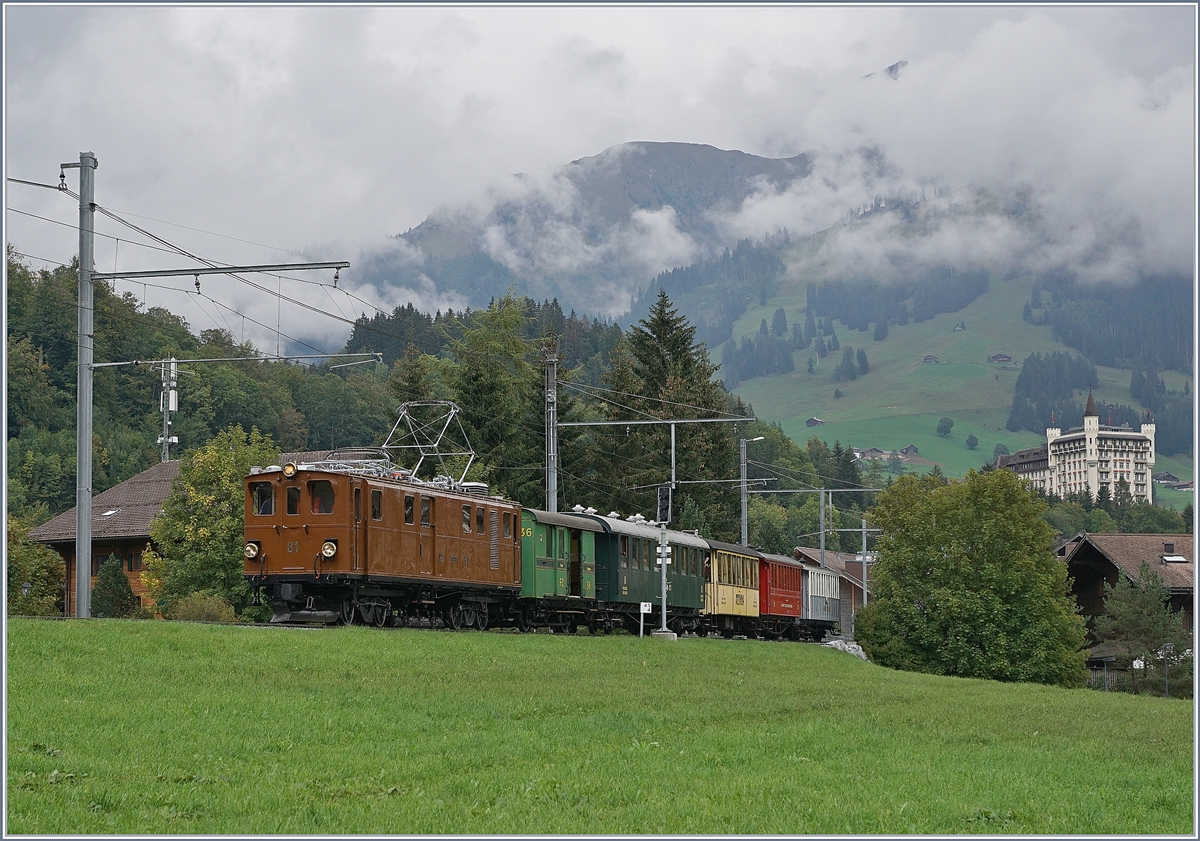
(1001, 357)
(930, 359)
(121, 519)
(814, 422)
(1094, 560)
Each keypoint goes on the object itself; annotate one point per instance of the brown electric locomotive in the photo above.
(356, 540)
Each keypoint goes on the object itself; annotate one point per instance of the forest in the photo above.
(488, 361)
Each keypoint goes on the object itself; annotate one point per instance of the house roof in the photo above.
(1127, 551)
(123, 511)
(1090, 409)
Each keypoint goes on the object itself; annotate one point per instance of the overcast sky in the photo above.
(324, 131)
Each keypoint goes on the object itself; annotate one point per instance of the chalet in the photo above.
(1165, 478)
(931, 360)
(1094, 560)
(1183, 486)
(121, 519)
(870, 453)
(849, 568)
(1001, 357)
(814, 422)
(910, 450)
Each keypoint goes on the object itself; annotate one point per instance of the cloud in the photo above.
(289, 126)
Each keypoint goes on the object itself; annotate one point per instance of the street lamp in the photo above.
(26, 589)
(744, 442)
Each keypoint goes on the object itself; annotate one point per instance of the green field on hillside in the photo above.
(901, 399)
(120, 727)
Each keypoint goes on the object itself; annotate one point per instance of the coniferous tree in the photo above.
(112, 594)
(861, 356)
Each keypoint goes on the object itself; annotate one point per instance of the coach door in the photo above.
(360, 529)
(425, 528)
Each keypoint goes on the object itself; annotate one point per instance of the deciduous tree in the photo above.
(967, 584)
(199, 532)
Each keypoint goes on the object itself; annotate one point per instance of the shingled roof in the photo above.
(120, 512)
(1127, 551)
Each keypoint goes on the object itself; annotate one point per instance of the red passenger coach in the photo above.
(780, 582)
(781, 598)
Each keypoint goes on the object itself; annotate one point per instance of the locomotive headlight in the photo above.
(251, 550)
(329, 548)
(289, 469)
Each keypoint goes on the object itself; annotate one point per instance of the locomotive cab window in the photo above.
(408, 509)
(321, 492)
(293, 500)
(466, 509)
(263, 495)
(508, 529)
(479, 520)
(376, 505)
(426, 511)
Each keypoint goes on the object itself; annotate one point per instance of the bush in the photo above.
(201, 607)
(112, 594)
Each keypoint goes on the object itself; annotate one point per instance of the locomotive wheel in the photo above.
(454, 617)
(382, 615)
(525, 622)
(468, 617)
(348, 612)
(593, 628)
(481, 618)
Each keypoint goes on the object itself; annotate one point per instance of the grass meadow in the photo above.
(171, 728)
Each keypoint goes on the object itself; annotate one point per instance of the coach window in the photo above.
(376, 505)
(321, 492)
(263, 494)
(426, 511)
(466, 509)
(408, 509)
(293, 500)
(624, 552)
(479, 520)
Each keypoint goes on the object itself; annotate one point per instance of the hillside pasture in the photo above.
(901, 399)
(169, 728)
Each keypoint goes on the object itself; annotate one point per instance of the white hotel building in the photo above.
(1093, 456)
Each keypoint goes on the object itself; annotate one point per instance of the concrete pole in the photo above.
(745, 523)
(864, 529)
(83, 393)
(821, 495)
(551, 359)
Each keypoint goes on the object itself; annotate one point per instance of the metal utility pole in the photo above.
(745, 514)
(169, 402)
(83, 389)
(85, 366)
(550, 355)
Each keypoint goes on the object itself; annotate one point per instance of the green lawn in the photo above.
(169, 728)
(901, 399)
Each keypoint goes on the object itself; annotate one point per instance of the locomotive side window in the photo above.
(263, 495)
(426, 511)
(466, 519)
(408, 509)
(376, 505)
(293, 500)
(479, 521)
(508, 529)
(321, 492)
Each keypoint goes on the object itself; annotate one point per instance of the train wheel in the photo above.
(382, 616)
(347, 613)
(454, 617)
(481, 618)
(468, 617)
(525, 622)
